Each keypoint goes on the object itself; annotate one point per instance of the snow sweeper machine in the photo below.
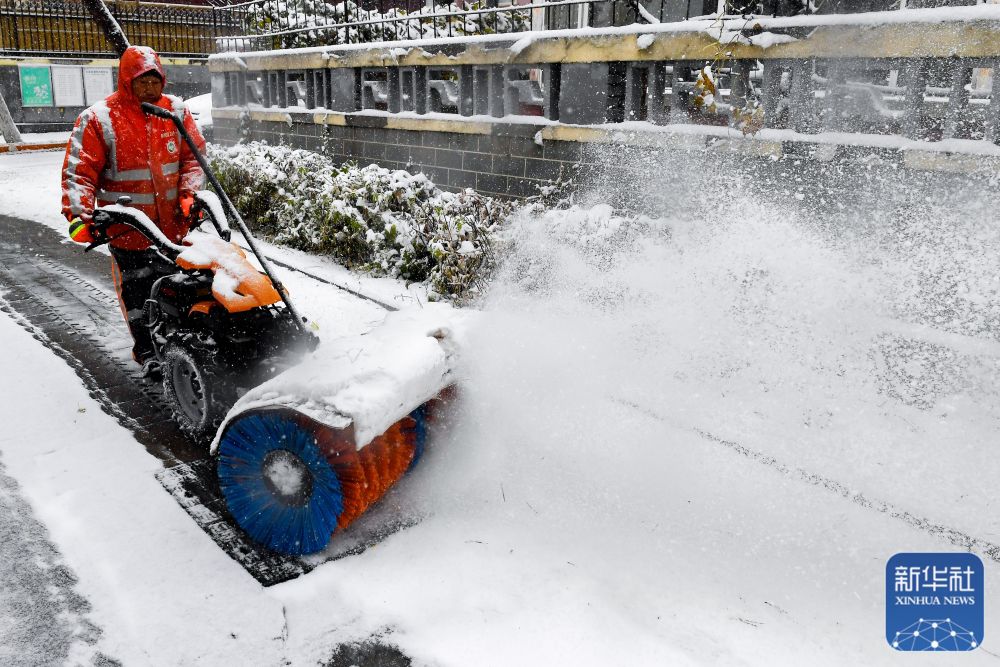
(304, 441)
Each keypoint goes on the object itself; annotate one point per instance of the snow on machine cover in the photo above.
(306, 453)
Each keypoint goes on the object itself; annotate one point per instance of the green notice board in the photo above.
(36, 86)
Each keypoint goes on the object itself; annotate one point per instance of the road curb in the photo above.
(18, 148)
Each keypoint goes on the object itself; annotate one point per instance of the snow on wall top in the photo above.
(370, 380)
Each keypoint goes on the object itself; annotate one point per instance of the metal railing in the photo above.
(65, 27)
(275, 24)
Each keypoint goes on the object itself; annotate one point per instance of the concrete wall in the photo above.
(521, 159)
(184, 78)
(507, 119)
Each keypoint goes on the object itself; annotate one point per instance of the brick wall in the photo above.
(505, 162)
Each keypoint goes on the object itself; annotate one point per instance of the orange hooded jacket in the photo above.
(116, 149)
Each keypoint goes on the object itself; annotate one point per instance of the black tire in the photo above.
(198, 394)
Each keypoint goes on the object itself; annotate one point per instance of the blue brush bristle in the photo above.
(291, 528)
(420, 441)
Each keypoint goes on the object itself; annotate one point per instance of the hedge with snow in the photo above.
(372, 219)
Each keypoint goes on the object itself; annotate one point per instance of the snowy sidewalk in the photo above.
(557, 523)
(43, 619)
(36, 141)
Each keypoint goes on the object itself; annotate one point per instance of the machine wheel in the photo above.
(198, 394)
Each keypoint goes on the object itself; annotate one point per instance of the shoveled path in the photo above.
(43, 619)
(64, 298)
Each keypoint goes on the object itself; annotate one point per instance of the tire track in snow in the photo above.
(961, 539)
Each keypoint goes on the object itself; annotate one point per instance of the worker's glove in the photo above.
(81, 232)
(186, 202)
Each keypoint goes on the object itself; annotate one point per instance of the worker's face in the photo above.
(148, 87)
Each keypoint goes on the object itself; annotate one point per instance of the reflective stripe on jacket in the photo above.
(116, 150)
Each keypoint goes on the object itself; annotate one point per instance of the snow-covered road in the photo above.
(583, 508)
(43, 619)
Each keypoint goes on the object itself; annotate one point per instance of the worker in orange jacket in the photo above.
(116, 150)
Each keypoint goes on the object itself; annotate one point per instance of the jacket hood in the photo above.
(136, 61)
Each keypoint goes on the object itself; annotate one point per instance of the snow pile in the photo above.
(583, 475)
(749, 35)
(673, 296)
(521, 44)
(850, 328)
(201, 110)
(372, 219)
(371, 380)
(597, 234)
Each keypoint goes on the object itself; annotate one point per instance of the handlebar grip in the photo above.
(154, 110)
(98, 230)
(100, 219)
